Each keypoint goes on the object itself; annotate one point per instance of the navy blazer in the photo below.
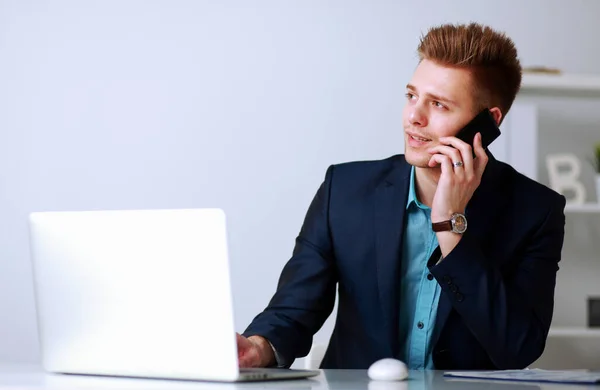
(497, 284)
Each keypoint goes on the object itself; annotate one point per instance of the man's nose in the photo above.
(417, 116)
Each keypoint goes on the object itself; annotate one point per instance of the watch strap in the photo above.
(442, 226)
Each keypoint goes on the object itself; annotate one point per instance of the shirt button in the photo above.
(430, 277)
(420, 325)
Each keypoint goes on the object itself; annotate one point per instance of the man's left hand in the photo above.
(460, 177)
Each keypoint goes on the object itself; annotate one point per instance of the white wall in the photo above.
(236, 104)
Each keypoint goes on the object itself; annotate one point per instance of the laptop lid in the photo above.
(135, 293)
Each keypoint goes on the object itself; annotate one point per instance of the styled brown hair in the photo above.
(490, 55)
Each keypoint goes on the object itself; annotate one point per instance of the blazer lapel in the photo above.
(390, 205)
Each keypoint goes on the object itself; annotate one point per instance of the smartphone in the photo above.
(483, 123)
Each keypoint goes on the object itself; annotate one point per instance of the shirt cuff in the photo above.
(278, 357)
(440, 260)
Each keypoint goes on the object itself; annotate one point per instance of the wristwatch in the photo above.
(456, 224)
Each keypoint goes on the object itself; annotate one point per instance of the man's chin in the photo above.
(417, 160)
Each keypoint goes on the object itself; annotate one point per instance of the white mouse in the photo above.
(388, 369)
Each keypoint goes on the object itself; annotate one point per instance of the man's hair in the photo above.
(490, 55)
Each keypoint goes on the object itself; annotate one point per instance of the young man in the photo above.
(415, 281)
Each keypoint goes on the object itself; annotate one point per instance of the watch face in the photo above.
(459, 223)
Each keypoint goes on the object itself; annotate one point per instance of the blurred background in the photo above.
(243, 105)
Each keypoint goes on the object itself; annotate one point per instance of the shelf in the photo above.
(560, 82)
(574, 331)
(583, 208)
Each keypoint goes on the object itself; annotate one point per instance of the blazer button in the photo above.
(459, 297)
(453, 288)
(446, 279)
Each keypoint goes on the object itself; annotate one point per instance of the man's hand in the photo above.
(460, 177)
(254, 351)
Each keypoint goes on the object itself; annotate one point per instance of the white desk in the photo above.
(22, 377)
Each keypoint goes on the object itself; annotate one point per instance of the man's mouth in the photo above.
(419, 138)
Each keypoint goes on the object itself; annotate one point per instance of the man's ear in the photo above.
(497, 114)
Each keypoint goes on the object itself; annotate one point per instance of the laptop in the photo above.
(138, 293)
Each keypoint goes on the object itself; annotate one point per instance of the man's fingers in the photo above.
(249, 358)
(248, 354)
(444, 161)
(449, 151)
(465, 149)
(244, 362)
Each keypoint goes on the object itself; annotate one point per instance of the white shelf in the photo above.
(574, 331)
(560, 82)
(583, 208)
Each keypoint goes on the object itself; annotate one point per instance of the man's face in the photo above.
(439, 103)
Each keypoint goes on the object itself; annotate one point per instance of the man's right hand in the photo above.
(254, 351)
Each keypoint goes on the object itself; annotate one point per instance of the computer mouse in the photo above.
(388, 369)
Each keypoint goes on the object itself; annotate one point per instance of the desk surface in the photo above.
(24, 377)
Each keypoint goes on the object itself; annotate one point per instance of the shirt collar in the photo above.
(412, 192)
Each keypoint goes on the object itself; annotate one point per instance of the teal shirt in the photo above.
(419, 291)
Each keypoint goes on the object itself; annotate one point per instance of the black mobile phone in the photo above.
(483, 123)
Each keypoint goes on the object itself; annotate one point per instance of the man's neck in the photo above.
(426, 180)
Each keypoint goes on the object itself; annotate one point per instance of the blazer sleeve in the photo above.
(509, 315)
(305, 294)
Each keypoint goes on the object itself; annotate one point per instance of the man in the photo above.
(434, 296)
